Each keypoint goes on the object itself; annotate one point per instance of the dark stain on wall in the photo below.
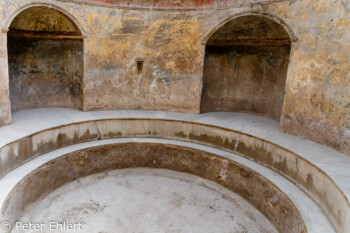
(45, 72)
(245, 78)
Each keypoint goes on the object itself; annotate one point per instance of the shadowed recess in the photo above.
(246, 66)
(45, 54)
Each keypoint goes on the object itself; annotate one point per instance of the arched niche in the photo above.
(245, 66)
(45, 56)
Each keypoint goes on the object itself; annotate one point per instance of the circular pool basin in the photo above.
(144, 200)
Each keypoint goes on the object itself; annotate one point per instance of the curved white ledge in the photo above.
(314, 218)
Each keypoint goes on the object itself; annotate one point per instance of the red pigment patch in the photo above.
(175, 3)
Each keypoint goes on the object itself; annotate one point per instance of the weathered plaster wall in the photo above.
(5, 110)
(45, 73)
(169, 44)
(45, 59)
(245, 78)
(317, 101)
(317, 98)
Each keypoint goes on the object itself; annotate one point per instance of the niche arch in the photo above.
(19, 10)
(246, 64)
(45, 57)
(267, 15)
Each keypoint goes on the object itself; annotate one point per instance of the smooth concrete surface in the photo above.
(142, 200)
(314, 218)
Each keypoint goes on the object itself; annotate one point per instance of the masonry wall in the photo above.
(169, 44)
(246, 79)
(317, 100)
(45, 73)
(5, 110)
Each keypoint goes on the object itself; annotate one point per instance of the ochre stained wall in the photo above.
(169, 44)
(170, 41)
(317, 99)
(245, 78)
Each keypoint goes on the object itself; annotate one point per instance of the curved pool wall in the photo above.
(306, 175)
(256, 189)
